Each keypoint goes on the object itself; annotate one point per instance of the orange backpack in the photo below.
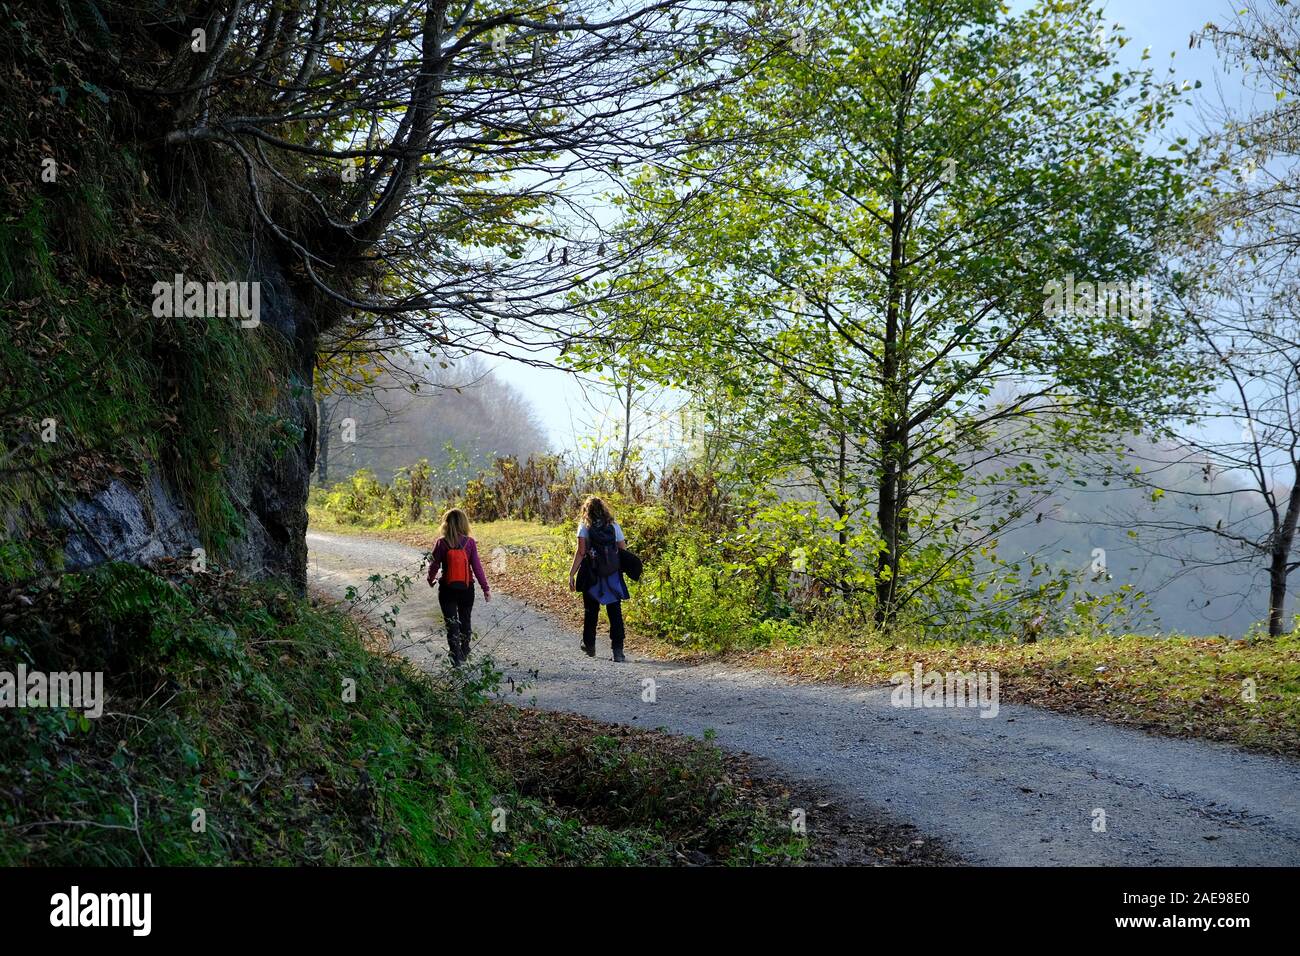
(455, 573)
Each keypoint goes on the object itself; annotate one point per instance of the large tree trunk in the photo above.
(894, 421)
(1277, 594)
(1279, 562)
(892, 518)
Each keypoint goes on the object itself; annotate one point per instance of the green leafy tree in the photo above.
(866, 265)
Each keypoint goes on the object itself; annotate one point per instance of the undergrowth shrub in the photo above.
(230, 698)
(302, 740)
(360, 499)
(542, 488)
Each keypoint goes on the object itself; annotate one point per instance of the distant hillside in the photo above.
(460, 417)
(1185, 595)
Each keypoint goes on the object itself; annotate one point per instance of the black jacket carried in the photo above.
(629, 565)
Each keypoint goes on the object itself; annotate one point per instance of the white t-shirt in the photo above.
(618, 532)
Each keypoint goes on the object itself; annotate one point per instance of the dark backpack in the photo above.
(603, 550)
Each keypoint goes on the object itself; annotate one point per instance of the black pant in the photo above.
(590, 617)
(456, 608)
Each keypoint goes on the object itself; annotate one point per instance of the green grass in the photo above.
(509, 533)
(232, 698)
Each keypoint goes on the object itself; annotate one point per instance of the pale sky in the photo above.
(1163, 25)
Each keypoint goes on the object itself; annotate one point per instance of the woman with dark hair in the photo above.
(595, 572)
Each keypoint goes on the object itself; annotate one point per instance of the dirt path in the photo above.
(1020, 788)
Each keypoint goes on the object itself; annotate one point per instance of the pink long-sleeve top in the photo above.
(471, 552)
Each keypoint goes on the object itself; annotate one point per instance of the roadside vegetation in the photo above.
(244, 725)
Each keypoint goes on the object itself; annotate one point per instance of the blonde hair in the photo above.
(594, 512)
(455, 523)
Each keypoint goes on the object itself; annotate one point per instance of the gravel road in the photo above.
(1026, 787)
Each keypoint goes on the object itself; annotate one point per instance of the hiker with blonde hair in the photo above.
(457, 555)
(596, 572)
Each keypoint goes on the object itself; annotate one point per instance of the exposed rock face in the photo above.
(274, 505)
(140, 525)
(124, 524)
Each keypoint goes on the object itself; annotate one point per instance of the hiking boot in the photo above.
(464, 648)
(618, 655)
(589, 649)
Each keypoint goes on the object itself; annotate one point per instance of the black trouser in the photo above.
(590, 617)
(456, 607)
